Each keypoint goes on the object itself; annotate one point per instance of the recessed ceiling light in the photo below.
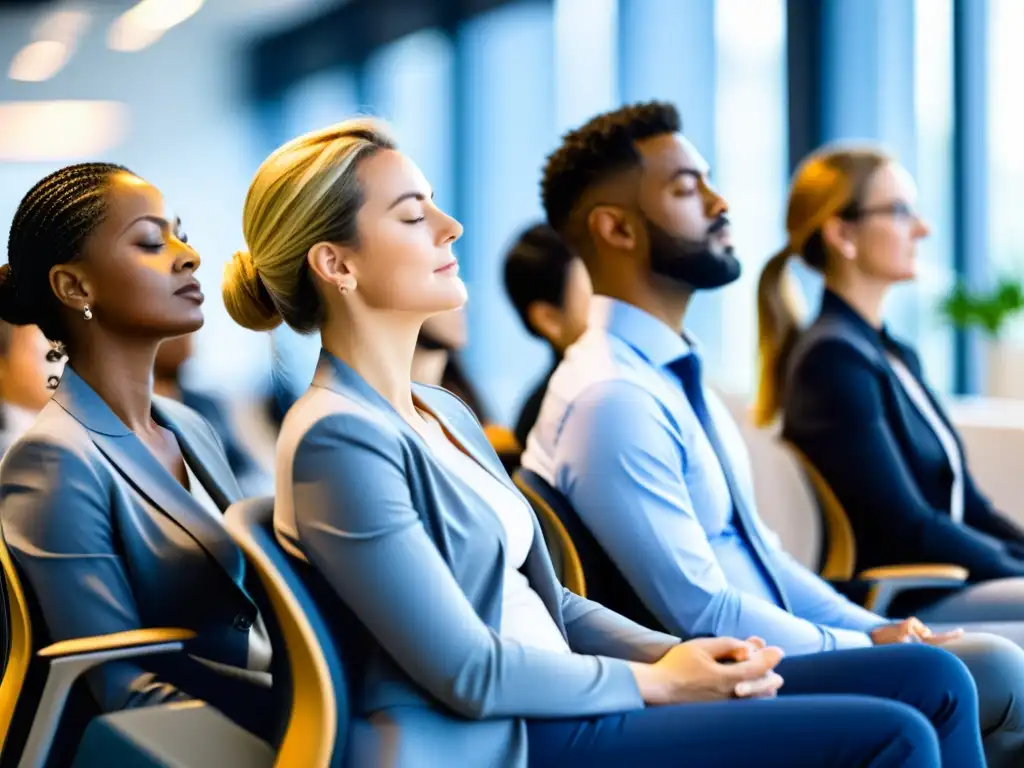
(53, 131)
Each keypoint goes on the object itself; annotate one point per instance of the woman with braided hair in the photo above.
(111, 501)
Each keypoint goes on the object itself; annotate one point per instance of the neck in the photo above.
(122, 375)
(381, 352)
(866, 296)
(428, 365)
(664, 299)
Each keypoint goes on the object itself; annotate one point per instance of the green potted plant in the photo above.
(990, 311)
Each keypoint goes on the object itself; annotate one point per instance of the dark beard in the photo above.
(695, 263)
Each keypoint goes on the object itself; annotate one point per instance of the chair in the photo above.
(603, 581)
(883, 584)
(505, 444)
(317, 732)
(563, 552)
(35, 687)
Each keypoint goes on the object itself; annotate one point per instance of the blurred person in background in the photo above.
(854, 399)
(170, 361)
(111, 502)
(29, 369)
(470, 649)
(550, 289)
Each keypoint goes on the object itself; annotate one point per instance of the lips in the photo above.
(452, 267)
(191, 291)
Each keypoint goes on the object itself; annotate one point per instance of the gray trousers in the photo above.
(997, 665)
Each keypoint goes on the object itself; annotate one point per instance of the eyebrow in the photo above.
(410, 196)
(684, 171)
(162, 223)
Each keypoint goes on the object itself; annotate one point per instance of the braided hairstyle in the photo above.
(50, 227)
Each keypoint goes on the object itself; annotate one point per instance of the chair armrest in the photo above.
(70, 659)
(132, 639)
(891, 580)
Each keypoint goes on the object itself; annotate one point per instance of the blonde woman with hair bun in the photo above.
(470, 650)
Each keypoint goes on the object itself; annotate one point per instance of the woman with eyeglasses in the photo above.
(855, 402)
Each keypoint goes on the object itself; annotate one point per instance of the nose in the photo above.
(714, 203)
(186, 258)
(921, 229)
(449, 229)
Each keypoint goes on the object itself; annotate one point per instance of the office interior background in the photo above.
(479, 91)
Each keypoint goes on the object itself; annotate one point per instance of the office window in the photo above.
(507, 119)
(409, 83)
(1006, 150)
(933, 112)
(750, 166)
(586, 59)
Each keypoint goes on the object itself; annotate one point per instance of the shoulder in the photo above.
(55, 458)
(830, 345)
(616, 414)
(323, 419)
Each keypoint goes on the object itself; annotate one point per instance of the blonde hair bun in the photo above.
(245, 296)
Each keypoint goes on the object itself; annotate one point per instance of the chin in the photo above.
(187, 325)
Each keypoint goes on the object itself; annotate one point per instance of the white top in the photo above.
(524, 618)
(924, 405)
(259, 639)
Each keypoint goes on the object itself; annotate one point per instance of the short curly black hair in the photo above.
(603, 146)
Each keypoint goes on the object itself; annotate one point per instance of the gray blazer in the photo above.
(417, 555)
(106, 540)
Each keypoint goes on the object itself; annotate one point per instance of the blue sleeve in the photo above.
(812, 598)
(621, 467)
(56, 520)
(357, 524)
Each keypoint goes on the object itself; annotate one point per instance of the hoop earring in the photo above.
(87, 313)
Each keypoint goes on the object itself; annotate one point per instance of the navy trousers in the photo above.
(900, 705)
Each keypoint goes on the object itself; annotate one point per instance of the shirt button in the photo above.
(242, 623)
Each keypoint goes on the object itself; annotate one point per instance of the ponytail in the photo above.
(780, 311)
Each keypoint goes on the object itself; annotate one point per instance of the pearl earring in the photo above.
(87, 313)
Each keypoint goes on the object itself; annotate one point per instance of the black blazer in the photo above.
(106, 540)
(845, 408)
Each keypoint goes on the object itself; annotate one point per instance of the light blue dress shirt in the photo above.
(617, 436)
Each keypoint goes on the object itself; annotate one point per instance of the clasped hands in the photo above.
(717, 668)
(710, 669)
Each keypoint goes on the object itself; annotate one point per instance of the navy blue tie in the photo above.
(687, 369)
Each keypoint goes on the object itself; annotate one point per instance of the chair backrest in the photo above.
(839, 555)
(317, 727)
(17, 642)
(605, 584)
(505, 444)
(563, 551)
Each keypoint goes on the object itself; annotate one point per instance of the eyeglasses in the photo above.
(898, 210)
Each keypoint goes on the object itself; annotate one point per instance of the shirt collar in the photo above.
(645, 333)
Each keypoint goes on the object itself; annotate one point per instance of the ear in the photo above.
(329, 262)
(546, 319)
(610, 224)
(838, 235)
(71, 287)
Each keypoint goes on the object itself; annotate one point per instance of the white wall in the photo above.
(189, 134)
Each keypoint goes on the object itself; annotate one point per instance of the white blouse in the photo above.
(524, 618)
(259, 639)
(924, 405)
